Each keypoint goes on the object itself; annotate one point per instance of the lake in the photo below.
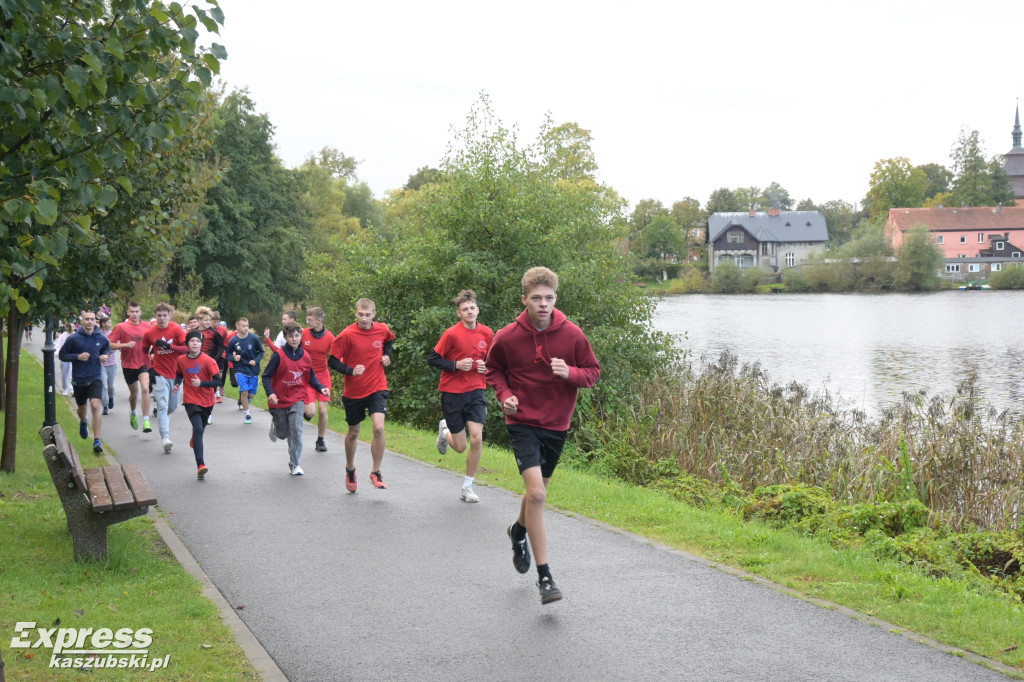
(869, 348)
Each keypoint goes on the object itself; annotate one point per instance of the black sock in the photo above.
(518, 532)
(543, 572)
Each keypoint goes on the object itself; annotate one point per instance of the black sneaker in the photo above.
(321, 446)
(110, 404)
(520, 552)
(549, 592)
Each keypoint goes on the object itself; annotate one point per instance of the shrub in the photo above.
(1011, 277)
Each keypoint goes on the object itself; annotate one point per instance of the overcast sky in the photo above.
(679, 100)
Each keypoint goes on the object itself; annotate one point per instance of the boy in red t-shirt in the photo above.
(203, 378)
(460, 356)
(317, 341)
(127, 337)
(166, 341)
(361, 352)
(287, 379)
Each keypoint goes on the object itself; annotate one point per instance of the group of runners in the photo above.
(536, 365)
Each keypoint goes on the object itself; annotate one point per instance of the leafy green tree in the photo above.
(567, 151)
(895, 184)
(340, 166)
(663, 239)
(87, 89)
(250, 251)
(806, 205)
(494, 212)
(360, 203)
(645, 211)
(749, 198)
(939, 180)
(723, 200)
(977, 182)
(423, 176)
(867, 241)
(919, 260)
(323, 197)
(776, 196)
(839, 218)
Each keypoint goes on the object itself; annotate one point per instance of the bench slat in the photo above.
(119, 492)
(96, 488)
(137, 483)
(70, 456)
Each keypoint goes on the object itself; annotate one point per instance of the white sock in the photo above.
(468, 482)
(133, 413)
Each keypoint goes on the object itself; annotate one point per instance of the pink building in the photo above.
(964, 232)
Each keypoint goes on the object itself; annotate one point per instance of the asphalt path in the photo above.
(410, 583)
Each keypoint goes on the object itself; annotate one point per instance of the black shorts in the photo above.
(192, 408)
(534, 446)
(86, 392)
(460, 408)
(132, 375)
(356, 409)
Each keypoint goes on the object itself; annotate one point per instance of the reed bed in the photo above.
(726, 422)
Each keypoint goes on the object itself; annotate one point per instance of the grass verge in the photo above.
(139, 586)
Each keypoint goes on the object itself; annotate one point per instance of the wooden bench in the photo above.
(96, 498)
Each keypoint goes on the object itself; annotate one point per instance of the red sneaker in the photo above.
(201, 472)
(220, 399)
(192, 443)
(377, 480)
(350, 480)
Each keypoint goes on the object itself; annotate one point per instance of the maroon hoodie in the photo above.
(519, 364)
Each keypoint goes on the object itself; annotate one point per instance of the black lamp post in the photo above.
(49, 375)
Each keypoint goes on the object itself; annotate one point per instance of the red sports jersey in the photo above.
(291, 379)
(205, 368)
(357, 346)
(458, 343)
(164, 361)
(318, 350)
(126, 332)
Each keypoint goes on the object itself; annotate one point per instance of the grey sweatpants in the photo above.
(288, 424)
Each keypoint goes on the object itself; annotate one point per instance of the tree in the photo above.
(423, 176)
(839, 218)
(645, 211)
(977, 182)
(87, 91)
(723, 200)
(776, 196)
(749, 198)
(340, 166)
(938, 180)
(323, 198)
(663, 238)
(919, 260)
(895, 184)
(806, 205)
(494, 212)
(250, 251)
(566, 151)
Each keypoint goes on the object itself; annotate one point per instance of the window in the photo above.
(942, 240)
(973, 267)
(695, 232)
(765, 249)
(999, 246)
(963, 239)
(962, 255)
(1015, 254)
(790, 259)
(735, 237)
(981, 237)
(996, 267)
(952, 267)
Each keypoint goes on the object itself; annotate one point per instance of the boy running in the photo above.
(203, 377)
(127, 337)
(246, 352)
(460, 356)
(317, 341)
(536, 364)
(213, 342)
(86, 349)
(361, 352)
(109, 368)
(166, 342)
(287, 380)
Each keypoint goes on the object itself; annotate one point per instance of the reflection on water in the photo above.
(870, 348)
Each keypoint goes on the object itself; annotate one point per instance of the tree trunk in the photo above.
(10, 445)
(3, 388)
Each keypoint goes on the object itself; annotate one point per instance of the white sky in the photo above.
(679, 100)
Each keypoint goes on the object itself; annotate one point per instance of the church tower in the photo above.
(1014, 161)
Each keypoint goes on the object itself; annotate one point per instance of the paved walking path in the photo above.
(410, 583)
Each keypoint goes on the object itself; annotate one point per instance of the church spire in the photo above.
(1016, 129)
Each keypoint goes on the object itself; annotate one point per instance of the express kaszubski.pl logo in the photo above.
(88, 648)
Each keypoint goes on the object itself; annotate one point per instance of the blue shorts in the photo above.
(247, 383)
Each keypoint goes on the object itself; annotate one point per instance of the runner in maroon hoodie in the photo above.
(536, 365)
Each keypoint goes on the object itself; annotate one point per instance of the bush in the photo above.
(1010, 277)
(730, 279)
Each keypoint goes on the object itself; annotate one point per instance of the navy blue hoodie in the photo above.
(95, 344)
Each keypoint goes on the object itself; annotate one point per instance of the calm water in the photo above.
(868, 348)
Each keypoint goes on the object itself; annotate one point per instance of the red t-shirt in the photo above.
(126, 332)
(318, 350)
(205, 368)
(358, 346)
(458, 343)
(291, 380)
(164, 361)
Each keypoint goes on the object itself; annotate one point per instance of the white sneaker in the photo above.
(209, 420)
(297, 471)
(442, 442)
(167, 446)
(469, 496)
